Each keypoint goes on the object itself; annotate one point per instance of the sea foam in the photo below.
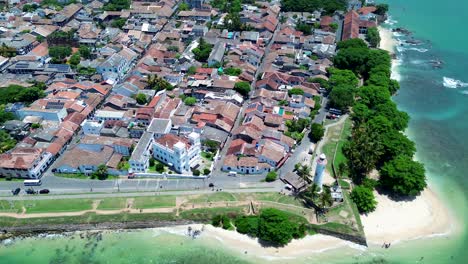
(453, 83)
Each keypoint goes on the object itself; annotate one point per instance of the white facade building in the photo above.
(92, 127)
(178, 152)
(139, 161)
(103, 115)
(25, 163)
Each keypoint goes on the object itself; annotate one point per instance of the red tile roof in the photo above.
(351, 25)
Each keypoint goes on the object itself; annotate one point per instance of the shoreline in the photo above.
(397, 221)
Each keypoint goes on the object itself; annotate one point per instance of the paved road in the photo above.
(133, 194)
(58, 185)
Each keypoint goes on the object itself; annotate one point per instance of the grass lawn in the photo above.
(215, 197)
(145, 202)
(209, 213)
(207, 155)
(269, 196)
(113, 203)
(81, 176)
(337, 136)
(10, 206)
(11, 179)
(51, 206)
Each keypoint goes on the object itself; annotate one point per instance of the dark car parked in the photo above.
(44, 191)
(31, 191)
(16, 191)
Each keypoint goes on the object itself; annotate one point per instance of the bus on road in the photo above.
(32, 182)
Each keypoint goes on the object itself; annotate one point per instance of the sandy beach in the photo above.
(242, 243)
(387, 42)
(407, 220)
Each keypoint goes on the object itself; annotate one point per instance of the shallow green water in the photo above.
(439, 126)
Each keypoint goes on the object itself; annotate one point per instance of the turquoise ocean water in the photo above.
(439, 126)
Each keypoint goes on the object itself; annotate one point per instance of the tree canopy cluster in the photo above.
(117, 5)
(17, 93)
(272, 226)
(328, 6)
(342, 87)
(373, 36)
(59, 53)
(158, 84)
(296, 128)
(61, 38)
(202, 52)
(377, 141)
(243, 88)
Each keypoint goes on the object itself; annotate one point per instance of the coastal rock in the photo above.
(402, 31)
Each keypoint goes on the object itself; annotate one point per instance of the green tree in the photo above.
(325, 200)
(6, 142)
(243, 88)
(196, 172)
(317, 131)
(232, 71)
(304, 28)
(323, 83)
(382, 9)
(202, 52)
(211, 144)
(192, 70)
(58, 53)
(364, 199)
(117, 5)
(333, 27)
(190, 101)
(351, 43)
(304, 172)
(342, 77)
(141, 99)
(271, 176)
(6, 116)
(119, 23)
(275, 227)
(159, 167)
(342, 97)
(373, 95)
(156, 83)
(85, 52)
(247, 225)
(362, 152)
(101, 172)
(403, 176)
(152, 161)
(398, 118)
(206, 171)
(353, 59)
(361, 113)
(74, 59)
(293, 91)
(373, 37)
(183, 7)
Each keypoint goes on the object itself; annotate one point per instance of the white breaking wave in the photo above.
(390, 21)
(395, 71)
(398, 34)
(464, 92)
(452, 83)
(422, 50)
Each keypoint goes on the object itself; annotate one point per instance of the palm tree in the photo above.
(304, 172)
(325, 199)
